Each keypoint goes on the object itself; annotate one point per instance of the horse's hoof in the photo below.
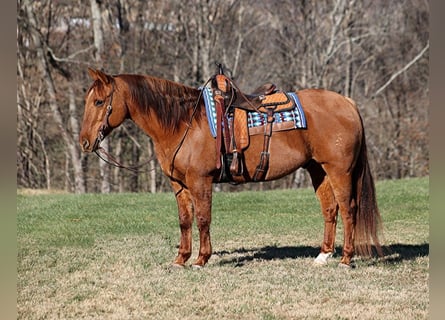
(176, 266)
(322, 258)
(346, 266)
(196, 267)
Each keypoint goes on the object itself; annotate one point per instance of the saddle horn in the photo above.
(220, 68)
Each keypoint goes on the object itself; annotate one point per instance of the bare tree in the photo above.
(96, 17)
(374, 51)
(45, 71)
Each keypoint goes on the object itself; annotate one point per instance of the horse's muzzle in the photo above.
(87, 147)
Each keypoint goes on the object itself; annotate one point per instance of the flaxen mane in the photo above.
(171, 102)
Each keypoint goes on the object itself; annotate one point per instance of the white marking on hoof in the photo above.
(322, 258)
(176, 266)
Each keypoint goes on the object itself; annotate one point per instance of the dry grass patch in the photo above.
(122, 279)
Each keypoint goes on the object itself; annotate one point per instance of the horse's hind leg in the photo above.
(341, 183)
(329, 209)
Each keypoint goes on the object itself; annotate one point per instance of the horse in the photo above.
(332, 149)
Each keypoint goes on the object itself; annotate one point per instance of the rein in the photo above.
(195, 108)
(189, 125)
(114, 162)
(109, 159)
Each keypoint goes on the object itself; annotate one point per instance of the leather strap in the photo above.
(262, 167)
(219, 104)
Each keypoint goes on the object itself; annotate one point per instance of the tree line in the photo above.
(373, 51)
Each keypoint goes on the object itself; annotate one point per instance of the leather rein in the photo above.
(109, 159)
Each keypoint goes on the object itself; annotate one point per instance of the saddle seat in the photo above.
(262, 99)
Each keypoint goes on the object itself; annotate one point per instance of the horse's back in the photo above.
(322, 100)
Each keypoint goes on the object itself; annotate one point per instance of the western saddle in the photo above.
(232, 137)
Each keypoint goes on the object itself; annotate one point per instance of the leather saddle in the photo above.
(233, 137)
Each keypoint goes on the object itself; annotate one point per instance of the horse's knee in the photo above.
(330, 214)
(203, 221)
(185, 220)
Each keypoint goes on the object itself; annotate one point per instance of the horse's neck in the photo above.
(148, 118)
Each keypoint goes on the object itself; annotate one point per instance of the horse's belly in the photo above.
(287, 153)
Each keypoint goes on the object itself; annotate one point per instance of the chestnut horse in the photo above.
(332, 149)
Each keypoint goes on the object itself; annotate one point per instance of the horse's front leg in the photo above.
(202, 203)
(185, 212)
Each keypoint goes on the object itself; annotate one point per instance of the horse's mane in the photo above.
(170, 101)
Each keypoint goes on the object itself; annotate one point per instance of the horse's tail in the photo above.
(368, 223)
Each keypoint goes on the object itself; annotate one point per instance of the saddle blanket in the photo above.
(294, 119)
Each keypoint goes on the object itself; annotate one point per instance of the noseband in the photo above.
(105, 124)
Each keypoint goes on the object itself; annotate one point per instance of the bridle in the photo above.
(105, 122)
(104, 127)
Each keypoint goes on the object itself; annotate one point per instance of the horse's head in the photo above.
(105, 109)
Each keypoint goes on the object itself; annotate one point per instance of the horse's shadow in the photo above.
(393, 254)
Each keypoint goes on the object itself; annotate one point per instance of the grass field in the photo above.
(108, 257)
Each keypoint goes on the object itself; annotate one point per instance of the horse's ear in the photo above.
(92, 73)
(99, 75)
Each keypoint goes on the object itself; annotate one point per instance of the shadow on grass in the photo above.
(393, 254)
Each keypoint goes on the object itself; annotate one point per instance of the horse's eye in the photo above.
(98, 103)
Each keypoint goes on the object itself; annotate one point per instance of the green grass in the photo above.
(108, 257)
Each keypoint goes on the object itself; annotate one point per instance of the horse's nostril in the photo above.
(85, 144)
